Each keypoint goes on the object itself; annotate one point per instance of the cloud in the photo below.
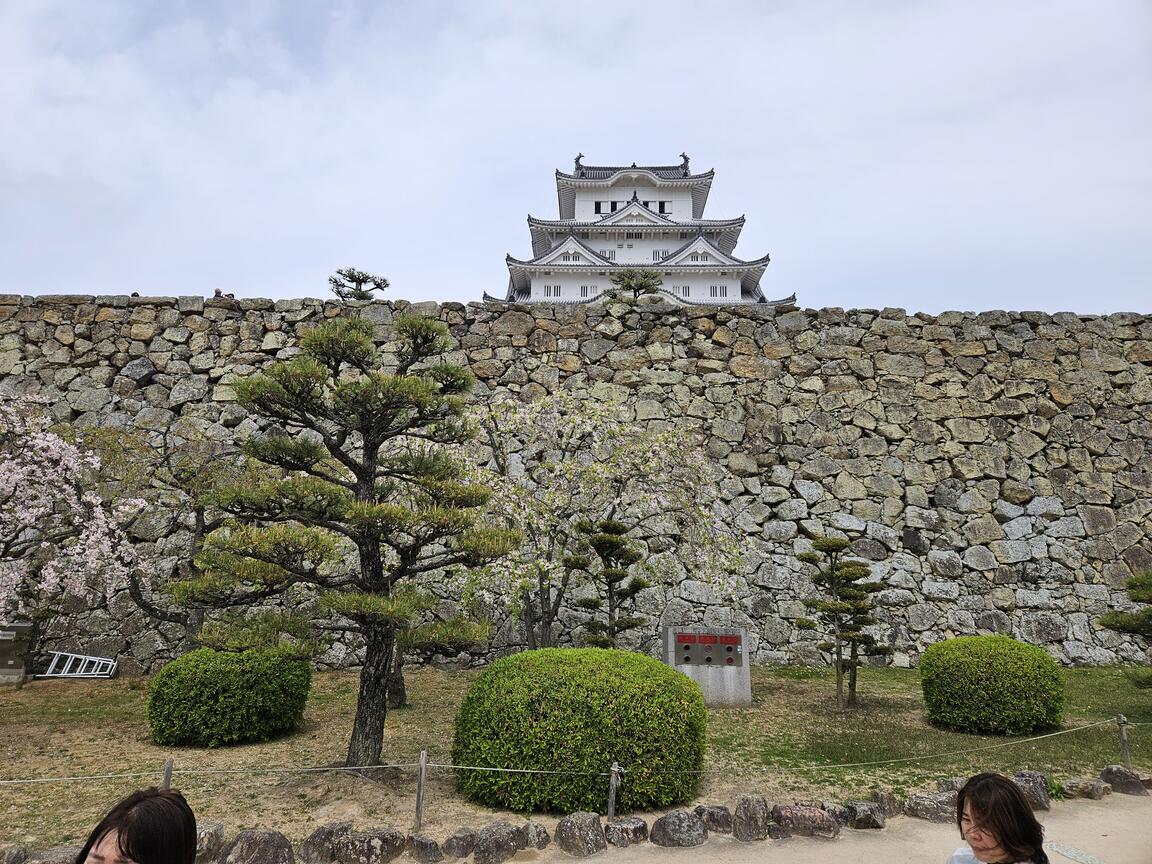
(928, 155)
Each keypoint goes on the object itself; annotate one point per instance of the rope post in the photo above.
(166, 782)
(1125, 748)
(421, 773)
(613, 782)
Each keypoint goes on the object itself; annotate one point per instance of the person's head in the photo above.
(997, 822)
(152, 826)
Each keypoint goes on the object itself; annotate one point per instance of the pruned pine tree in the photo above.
(1138, 622)
(843, 611)
(616, 590)
(362, 502)
(637, 280)
(353, 284)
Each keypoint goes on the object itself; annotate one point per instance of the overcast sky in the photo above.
(925, 154)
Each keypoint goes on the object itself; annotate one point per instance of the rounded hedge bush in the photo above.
(206, 698)
(991, 684)
(580, 709)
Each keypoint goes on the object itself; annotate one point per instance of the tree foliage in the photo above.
(361, 502)
(561, 464)
(60, 536)
(843, 611)
(616, 589)
(353, 284)
(637, 280)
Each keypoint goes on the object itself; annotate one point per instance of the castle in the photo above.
(614, 218)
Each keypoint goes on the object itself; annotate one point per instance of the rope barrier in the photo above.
(755, 770)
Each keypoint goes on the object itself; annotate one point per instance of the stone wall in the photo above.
(995, 468)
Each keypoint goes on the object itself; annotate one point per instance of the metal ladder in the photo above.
(66, 665)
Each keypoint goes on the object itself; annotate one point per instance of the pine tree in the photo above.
(637, 280)
(353, 284)
(616, 591)
(843, 611)
(362, 501)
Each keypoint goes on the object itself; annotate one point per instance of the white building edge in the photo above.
(617, 217)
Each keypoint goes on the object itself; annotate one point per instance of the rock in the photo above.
(890, 805)
(141, 370)
(679, 828)
(1086, 787)
(424, 849)
(1123, 780)
(319, 846)
(951, 784)
(581, 835)
(496, 842)
(805, 821)
(933, 806)
(55, 855)
(10, 853)
(259, 846)
(625, 831)
(751, 819)
(513, 323)
(209, 841)
(716, 817)
(865, 814)
(1034, 784)
(377, 846)
(460, 844)
(536, 836)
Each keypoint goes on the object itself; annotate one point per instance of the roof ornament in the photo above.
(635, 196)
(579, 170)
(633, 164)
(684, 164)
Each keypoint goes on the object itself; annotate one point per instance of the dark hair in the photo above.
(154, 826)
(998, 806)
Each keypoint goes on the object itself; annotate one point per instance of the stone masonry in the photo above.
(995, 469)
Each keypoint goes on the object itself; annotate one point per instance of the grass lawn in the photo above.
(68, 728)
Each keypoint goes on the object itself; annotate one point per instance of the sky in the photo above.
(923, 154)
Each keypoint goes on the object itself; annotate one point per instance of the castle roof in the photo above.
(604, 172)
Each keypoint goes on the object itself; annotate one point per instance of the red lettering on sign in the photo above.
(685, 638)
(729, 640)
(707, 639)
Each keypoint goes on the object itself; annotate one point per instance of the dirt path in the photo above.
(1117, 830)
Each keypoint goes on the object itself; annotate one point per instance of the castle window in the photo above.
(665, 206)
(610, 254)
(583, 290)
(632, 235)
(684, 235)
(583, 235)
(596, 207)
(660, 254)
(719, 290)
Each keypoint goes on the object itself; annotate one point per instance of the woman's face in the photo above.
(985, 845)
(107, 851)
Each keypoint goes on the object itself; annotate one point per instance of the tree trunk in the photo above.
(839, 660)
(853, 661)
(397, 692)
(528, 618)
(367, 739)
(546, 612)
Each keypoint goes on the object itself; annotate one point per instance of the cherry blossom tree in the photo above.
(560, 464)
(59, 536)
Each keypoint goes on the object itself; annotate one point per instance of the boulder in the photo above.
(950, 784)
(460, 844)
(679, 828)
(10, 853)
(377, 846)
(933, 806)
(626, 831)
(805, 821)
(751, 820)
(890, 805)
(258, 846)
(864, 814)
(425, 849)
(1123, 780)
(1034, 785)
(141, 370)
(496, 842)
(1086, 787)
(209, 841)
(716, 817)
(536, 836)
(319, 846)
(581, 834)
(55, 855)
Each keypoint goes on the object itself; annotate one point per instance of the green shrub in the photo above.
(580, 709)
(991, 684)
(207, 698)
